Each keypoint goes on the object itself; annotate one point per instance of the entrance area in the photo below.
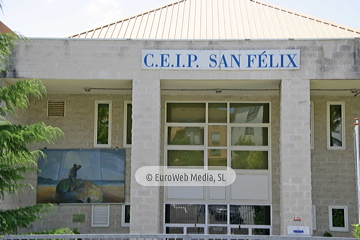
(217, 219)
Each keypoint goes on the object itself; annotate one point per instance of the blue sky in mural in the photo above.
(96, 164)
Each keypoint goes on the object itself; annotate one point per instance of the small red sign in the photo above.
(297, 219)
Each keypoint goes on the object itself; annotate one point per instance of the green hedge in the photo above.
(55, 231)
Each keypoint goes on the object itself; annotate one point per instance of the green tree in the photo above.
(16, 160)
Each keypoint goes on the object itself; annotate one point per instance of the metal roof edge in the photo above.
(193, 40)
(314, 18)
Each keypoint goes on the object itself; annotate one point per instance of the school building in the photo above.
(266, 91)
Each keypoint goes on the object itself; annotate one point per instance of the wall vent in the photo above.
(56, 108)
(100, 216)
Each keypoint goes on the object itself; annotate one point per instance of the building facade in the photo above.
(278, 112)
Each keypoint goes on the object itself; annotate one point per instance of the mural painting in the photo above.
(81, 176)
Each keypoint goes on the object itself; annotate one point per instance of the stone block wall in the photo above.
(333, 171)
(78, 126)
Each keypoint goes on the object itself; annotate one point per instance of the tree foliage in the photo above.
(16, 160)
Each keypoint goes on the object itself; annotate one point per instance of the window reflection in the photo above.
(241, 231)
(195, 230)
(217, 157)
(250, 215)
(185, 213)
(103, 124)
(217, 135)
(249, 113)
(218, 214)
(186, 112)
(338, 217)
(185, 158)
(335, 126)
(218, 230)
(249, 159)
(186, 136)
(249, 136)
(217, 112)
(128, 123)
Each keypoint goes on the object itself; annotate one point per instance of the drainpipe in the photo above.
(356, 134)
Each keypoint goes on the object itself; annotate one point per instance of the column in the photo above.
(145, 201)
(295, 154)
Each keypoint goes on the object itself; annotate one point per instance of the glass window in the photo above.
(128, 123)
(249, 159)
(174, 230)
(185, 158)
(239, 231)
(336, 132)
(103, 124)
(338, 218)
(259, 231)
(127, 214)
(125, 218)
(217, 157)
(218, 230)
(186, 135)
(217, 135)
(195, 230)
(240, 136)
(186, 112)
(218, 214)
(249, 112)
(241, 220)
(217, 113)
(185, 213)
(250, 215)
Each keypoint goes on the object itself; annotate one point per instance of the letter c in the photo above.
(146, 60)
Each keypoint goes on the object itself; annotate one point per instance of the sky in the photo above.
(62, 18)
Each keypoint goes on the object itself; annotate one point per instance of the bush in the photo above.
(55, 231)
(356, 231)
(327, 234)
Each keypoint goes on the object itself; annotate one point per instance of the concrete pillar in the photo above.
(295, 154)
(145, 201)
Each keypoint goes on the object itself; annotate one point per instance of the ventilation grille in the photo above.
(56, 108)
(100, 216)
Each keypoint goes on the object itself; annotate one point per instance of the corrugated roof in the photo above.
(220, 19)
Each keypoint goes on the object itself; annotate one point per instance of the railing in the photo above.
(160, 237)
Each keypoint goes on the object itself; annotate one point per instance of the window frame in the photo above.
(125, 144)
(312, 119)
(229, 148)
(205, 147)
(108, 145)
(346, 221)
(343, 135)
(206, 225)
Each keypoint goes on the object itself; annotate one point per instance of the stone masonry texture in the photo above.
(295, 161)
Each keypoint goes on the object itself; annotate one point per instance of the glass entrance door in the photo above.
(217, 219)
